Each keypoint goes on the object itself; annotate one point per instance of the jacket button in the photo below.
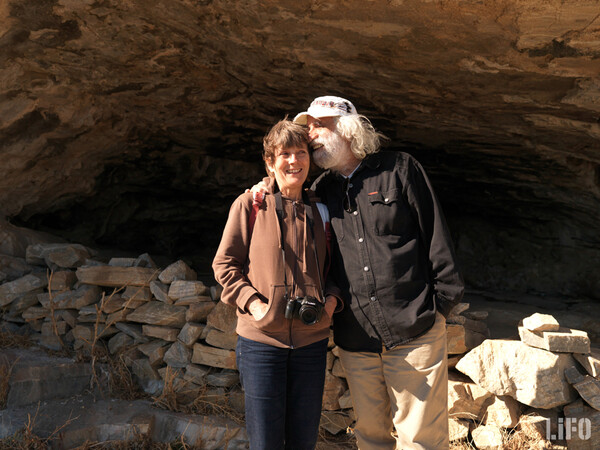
(366, 269)
(373, 298)
(355, 213)
(360, 239)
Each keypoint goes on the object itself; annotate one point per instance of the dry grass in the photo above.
(175, 398)
(5, 373)
(26, 439)
(10, 340)
(525, 436)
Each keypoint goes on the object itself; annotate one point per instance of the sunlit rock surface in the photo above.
(133, 124)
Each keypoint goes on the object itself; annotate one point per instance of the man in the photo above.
(395, 264)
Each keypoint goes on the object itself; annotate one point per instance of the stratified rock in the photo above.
(192, 299)
(155, 351)
(218, 338)
(35, 313)
(458, 429)
(118, 342)
(345, 400)
(225, 378)
(88, 333)
(140, 293)
(164, 333)
(62, 254)
(158, 313)
(214, 357)
(334, 388)
(591, 362)
(12, 266)
(215, 292)
(503, 412)
(190, 332)
(67, 257)
(59, 327)
(530, 375)
(583, 428)
(335, 421)
(476, 315)
(178, 355)
(541, 322)
(455, 335)
(487, 437)
(145, 260)
(183, 288)
(160, 291)
(196, 373)
(466, 400)
(198, 312)
(587, 386)
(62, 280)
(77, 299)
(222, 317)
(179, 270)
(13, 289)
(121, 262)
(565, 340)
(116, 276)
(24, 301)
(134, 330)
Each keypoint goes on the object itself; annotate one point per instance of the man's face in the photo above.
(330, 149)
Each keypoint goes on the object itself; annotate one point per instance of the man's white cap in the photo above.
(328, 106)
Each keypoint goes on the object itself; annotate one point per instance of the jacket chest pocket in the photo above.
(388, 213)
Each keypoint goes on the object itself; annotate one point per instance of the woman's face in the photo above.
(290, 169)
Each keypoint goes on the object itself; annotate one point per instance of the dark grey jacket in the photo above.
(394, 260)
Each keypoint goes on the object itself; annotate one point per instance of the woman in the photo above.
(271, 265)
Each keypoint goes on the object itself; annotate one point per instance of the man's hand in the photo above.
(258, 187)
(330, 304)
(257, 308)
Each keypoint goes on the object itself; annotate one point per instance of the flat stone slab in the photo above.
(159, 313)
(85, 420)
(565, 340)
(110, 276)
(36, 377)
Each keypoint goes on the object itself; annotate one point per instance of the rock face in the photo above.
(131, 123)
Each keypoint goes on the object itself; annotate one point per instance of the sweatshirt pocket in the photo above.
(274, 321)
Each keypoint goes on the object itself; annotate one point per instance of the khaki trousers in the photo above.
(405, 388)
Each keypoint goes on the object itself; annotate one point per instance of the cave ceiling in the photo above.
(149, 115)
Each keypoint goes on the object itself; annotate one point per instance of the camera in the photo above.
(308, 309)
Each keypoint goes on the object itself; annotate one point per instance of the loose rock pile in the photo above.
(548, 382)
(172, 331)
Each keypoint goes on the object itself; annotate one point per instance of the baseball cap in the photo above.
(327, 106)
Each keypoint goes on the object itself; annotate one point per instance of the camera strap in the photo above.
(310, 220)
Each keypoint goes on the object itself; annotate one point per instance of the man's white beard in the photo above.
(331, 155)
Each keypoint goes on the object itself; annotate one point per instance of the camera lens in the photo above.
(308, 314)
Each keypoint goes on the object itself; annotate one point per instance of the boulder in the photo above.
(530, 375)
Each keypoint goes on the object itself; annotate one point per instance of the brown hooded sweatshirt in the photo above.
(249, 265)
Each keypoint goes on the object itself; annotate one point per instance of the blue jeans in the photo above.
(283, 391)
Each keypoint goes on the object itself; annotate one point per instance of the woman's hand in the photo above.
(257, 308)
(330, 304)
